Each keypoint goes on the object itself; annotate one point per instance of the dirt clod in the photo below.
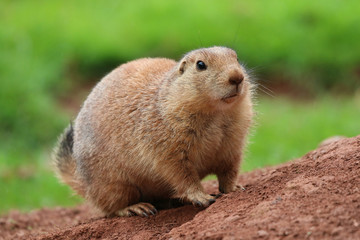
(314, 197)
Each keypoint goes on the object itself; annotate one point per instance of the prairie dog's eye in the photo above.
(200, 65)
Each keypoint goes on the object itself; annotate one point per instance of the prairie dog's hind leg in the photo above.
(120, 199)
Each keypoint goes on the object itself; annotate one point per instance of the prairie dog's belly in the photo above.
(153, 189)
(202, 154)
(204, 150)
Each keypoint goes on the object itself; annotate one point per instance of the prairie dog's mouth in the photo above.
(230, 98)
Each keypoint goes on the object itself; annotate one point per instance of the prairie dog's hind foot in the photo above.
(139, 209)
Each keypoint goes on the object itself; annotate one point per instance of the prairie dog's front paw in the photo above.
(200, 199)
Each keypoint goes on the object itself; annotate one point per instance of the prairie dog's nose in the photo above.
(236, 78)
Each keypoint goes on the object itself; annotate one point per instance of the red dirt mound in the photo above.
(314, 197)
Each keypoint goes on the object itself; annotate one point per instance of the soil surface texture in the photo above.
(313, 197)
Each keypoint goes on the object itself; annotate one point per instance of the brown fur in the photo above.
(153, 128)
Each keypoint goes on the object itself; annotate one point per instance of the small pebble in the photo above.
(262, 233)
(232, 218)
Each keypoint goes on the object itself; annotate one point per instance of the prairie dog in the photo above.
(153, 128)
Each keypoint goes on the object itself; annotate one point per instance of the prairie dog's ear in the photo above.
(182, 67)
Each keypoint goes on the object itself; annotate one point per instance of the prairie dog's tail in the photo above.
(64, 162)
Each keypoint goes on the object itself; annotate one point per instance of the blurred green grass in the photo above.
(287, 129)
(51, 49)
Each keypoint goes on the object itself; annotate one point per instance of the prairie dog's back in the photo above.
(130, 79)
(141, 72)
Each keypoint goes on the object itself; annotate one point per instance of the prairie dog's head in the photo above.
(214, 75)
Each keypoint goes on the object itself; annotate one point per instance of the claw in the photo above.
(130, 214)
(211, 201)
(154, 210)
(197, 203)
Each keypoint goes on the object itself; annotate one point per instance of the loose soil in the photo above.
(314, 197)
